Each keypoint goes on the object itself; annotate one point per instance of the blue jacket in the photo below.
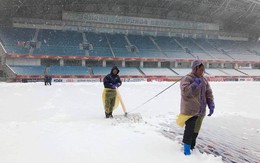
(112, 79)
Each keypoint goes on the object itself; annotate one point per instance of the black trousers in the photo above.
(190, 135)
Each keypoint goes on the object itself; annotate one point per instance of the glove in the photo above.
(114, 86)
(211, 109)
(196, 83)
(197, 80)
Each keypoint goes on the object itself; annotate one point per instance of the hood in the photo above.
(195, 64)
(114, 68)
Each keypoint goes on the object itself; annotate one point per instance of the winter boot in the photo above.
(107, 115)
(186, 149)
(110, 115)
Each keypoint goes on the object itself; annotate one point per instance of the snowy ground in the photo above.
(64, 123)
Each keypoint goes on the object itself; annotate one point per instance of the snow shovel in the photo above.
(134, 117)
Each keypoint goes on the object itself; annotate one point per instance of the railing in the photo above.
(10, 74)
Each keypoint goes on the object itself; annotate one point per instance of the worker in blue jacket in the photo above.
(111, 82)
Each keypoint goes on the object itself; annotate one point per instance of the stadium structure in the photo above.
(80, 40)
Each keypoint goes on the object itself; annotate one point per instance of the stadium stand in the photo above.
(145, 47)
(252, 72)
(27, 70)
(100, 44)
(68, 70)
(182, 71)
(233, 72)
(124, 71)
(158, 71)
(152, 42)
(129, 71)
(119, 45)
(55, 42)
(253, 47)
(101, 70)
(211, 49)
(14, 39)
(215, 72)
(171, 48)
(236, 49)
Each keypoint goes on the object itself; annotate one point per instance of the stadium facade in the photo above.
(82, 46)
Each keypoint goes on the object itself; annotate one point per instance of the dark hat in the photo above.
(114, 68)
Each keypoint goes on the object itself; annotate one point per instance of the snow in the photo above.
(64, 123)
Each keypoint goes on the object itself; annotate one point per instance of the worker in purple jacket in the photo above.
(196, 94)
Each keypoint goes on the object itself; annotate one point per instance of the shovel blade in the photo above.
(129, 118)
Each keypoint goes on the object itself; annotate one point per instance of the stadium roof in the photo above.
(231, 15)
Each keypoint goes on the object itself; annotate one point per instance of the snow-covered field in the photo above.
(64, 123)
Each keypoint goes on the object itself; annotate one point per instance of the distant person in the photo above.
(47, 80)
(195, 95)
(111, 82)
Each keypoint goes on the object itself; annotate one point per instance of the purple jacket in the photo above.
(195, 98)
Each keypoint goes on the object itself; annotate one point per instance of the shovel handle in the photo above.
(121, 101)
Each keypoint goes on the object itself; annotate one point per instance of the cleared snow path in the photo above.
(234, 138)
